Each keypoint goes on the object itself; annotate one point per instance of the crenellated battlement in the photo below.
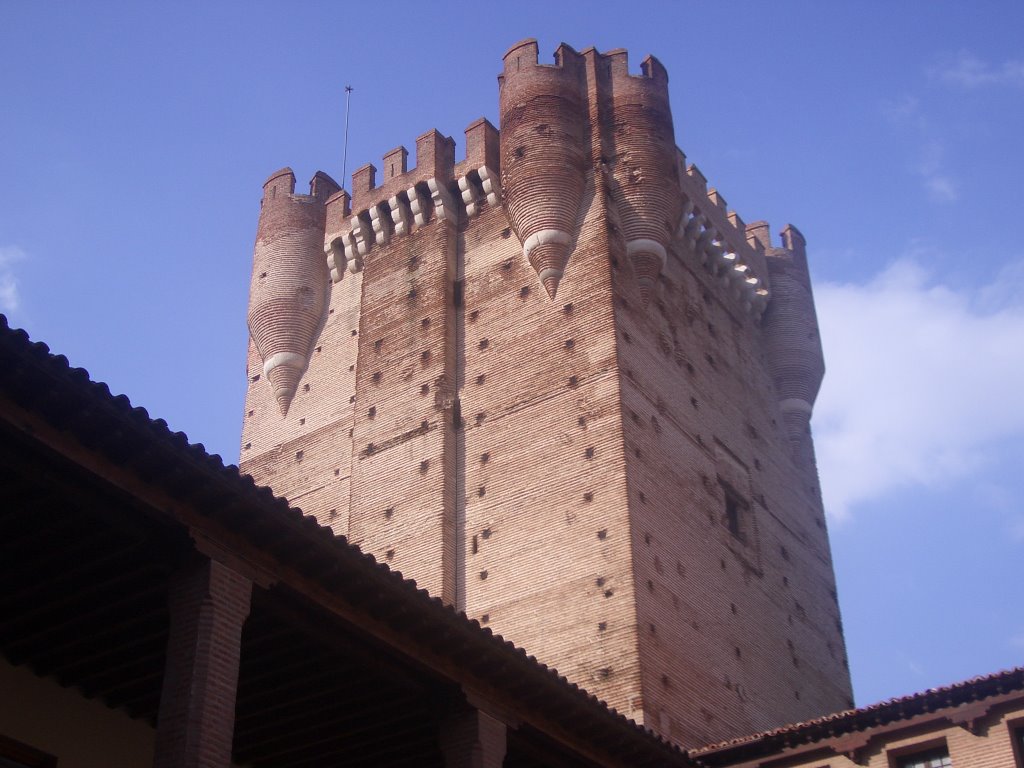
(719, 238)
(409, 198)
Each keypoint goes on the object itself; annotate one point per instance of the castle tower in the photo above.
(564, 388)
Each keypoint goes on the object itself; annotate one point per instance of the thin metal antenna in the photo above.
(344, 161)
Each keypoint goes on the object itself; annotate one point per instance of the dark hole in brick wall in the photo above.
(785, 581)
(637, 452)
(483, 575)
(301, 422)
(333, 513)
(486, 533)
(519, 152)
(424, 389)
(506, 233)
(732, 607)
(412, 293)
(390, 555)
(626, 337)
(650, 585)
(355, 332)
(757, 464)
(643, 498)
(474, 315)
(665, 681)
(484, 344)
(352, 367)
(352, 399)
(262, 275)
(320, 349)
(588, 496)
(388, 513)
(690, 369)
(425, 356)
(609, 592)
(425, 425)
(567, 308)
(484, 458)
(298, 455)
(711, 360)
(599, 581)
(604, 672)
(378, 344)
(480, 379)
(574, 382)
(785, 553)
(424, 466)
(569, 344)
(589, 453)
(305, 387)
(652, 629)
(337, 472)
(602, 626)
(376, 377)
(370, 448)
(251, 413)
(582, 421)
(255, 378)
(615, 261)
(722, 563)
(796, 695)
(480, 418)
(738, 652)
(680, 569)
(602, 534)
(524, 291)
(506, 265)
(372, 412)
(425, 322)
(647, 539)
(414, 263)
(248, 446)
(476, 545)
(481, 491)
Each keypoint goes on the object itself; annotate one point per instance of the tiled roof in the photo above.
(65, 397)
(854, 720)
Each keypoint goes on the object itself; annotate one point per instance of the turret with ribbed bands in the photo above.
(542, 154)
(290, 283)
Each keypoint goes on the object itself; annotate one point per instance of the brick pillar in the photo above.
(473, 739)
(208, 605)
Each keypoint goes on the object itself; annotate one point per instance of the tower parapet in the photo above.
(543, 162)
(288, 292)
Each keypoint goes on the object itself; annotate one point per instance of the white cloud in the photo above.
(10, 298)
(968, 71)
(923, 378)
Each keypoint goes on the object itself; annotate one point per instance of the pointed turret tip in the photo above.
(550, 285)
(284, 401)
(646, 288)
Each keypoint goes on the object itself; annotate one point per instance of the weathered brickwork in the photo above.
(555, 384)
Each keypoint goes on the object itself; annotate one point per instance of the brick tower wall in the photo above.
(573, 428)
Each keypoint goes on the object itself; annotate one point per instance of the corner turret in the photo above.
(543, 162)
(791, 334)
(645, 185)
(288, 292)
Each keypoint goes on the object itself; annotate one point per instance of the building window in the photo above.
(735, 514)
(1017, 735)
(933, 758)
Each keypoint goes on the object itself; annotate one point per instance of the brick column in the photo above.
(208, 606)
(473, 739)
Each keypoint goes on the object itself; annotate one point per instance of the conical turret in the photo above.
(645, 186)
(790, 328)
(288, 294)
(542, 154)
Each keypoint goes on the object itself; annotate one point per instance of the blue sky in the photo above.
(134, 139)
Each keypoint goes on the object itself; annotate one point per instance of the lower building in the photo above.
(158, 608)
